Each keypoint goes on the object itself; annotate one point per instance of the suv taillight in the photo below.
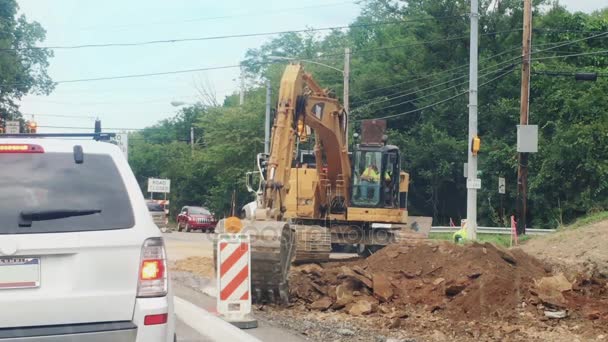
(153, 269)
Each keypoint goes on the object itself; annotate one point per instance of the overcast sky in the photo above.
(139, 102)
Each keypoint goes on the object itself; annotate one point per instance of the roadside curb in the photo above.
(207, 324)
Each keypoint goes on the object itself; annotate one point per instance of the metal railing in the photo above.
(492, 230)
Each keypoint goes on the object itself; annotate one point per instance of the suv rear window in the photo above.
(53, 181)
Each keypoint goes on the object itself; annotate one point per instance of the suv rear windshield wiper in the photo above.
(27, 217)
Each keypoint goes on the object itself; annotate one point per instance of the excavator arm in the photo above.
(302, 102)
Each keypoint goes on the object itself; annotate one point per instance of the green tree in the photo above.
(23, 68)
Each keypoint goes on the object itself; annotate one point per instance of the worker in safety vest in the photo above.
(370, 179)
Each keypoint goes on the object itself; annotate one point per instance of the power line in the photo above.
(570, 42)
(445, 89)
(92, 128)
(572, 55)
(265, 12)
(435, 85)
(440, 72)
(225, 67)
(134, 75)
(559, 44)
(63, 116)
(242, 35)
(442, 101)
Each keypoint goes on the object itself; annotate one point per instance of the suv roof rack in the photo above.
(95, 136)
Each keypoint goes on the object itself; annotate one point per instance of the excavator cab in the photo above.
(376, 172)
(376, 175)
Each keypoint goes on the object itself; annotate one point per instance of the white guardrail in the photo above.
(492, 230)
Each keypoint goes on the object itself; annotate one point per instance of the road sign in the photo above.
(501, 185)
(233, 276)
(474, 183)
(122, 140)
(465, 170)
(159, 185)
(12, 127)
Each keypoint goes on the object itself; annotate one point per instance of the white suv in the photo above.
(80, 257)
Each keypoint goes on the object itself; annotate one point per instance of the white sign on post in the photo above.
(122, 141)
(473, 183)
(159, 185)
(12, 127)
(501, 185)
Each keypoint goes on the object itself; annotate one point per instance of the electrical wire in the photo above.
(570, 42)
(436, 85)
(241, 35)
(571, 55)
(134, 75)
(439, 102)
(440, 72)
(248, 14)
(442, 90)
(559, 44)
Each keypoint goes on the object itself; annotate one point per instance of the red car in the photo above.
(196, 218)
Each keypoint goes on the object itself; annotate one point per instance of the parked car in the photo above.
(196, 218)
(158, 213)
(80, 257)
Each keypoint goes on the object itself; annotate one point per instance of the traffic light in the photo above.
(586, 76)
(32, 127)
(475, 145)
(97, 126)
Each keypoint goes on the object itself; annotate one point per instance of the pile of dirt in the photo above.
(201, 266)
(460, 283)
(574, 250)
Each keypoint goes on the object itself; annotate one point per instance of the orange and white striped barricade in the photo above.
(234, 280)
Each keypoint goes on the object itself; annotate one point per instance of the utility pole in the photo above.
(522, 169)
(346, 74)
(472, 159)
(242, 95)
(267, 121)
(192, 139)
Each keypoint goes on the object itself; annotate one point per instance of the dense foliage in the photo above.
(408, 57)
(22, 68)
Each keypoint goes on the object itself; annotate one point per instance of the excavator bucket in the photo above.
(272, 249)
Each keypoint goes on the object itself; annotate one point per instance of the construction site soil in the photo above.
(429, 290)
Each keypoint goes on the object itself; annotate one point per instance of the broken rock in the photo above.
(382, 287)
(344, 295)
(312, 269)
(346, 272)
(362, 307)
(322, 304)
(454, 288)
(556, 314)
(359, 270)
(438, 281)
(550, 290)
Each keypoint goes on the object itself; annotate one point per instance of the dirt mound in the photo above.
(201, 266)
(574, 250)
(462, 283)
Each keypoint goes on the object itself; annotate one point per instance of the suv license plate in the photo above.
(19, 273)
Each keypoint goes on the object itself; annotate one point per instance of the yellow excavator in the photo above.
(342, 198)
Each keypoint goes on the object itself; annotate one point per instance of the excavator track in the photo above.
(313, 244)
(272, 249)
